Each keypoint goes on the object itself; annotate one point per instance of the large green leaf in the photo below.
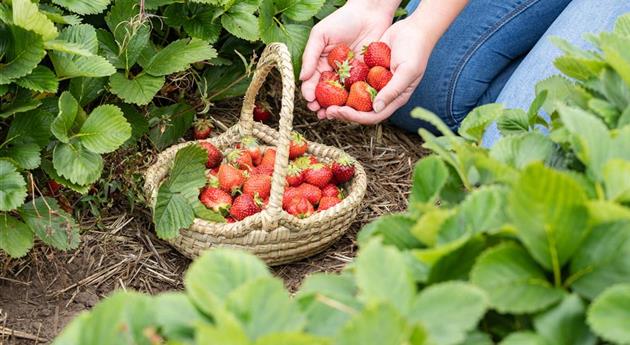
(15, 237)
(72, 65)
(187, 174)
(178, 56)
(548, 209)
(291, 339)
(48, 168)
(524, 338)
(429, 177)
(172, 212)
(139, 90)
(379, 324)
(241, 22)
(25, 51)
(474, 124)
(67, 47)
(77, 164)
(50, 223)
(520, 150)
(609, 315)
(616, 175)
(513, 281)
(26, 15)
(231, 333)
(172, 122)
(27, 156)
(615, 48)
(131, 34)
(393, 229)
(456, 265)
(41, 79)
(565, 324)
(13, 191)
(86, 90)
(105, 129)
(615, 89)
(84, 6)
(31, 127)
(180, 325)
(299, 10)
(447, 311)
(62, 125)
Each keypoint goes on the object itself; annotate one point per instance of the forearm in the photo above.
(388, 6)
(433, 17)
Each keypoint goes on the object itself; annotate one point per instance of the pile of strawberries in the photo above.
(363, 79)
(239, 181)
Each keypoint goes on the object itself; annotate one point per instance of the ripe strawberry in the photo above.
(351, 72)
(328, 202)
(301, 208)
(361, 96)
(377, 54)
(214, 155)
(230, 178)
(263, 170)
(202, 129)
(230, 220)
(329, 93)
(261, 112)
(244, 206)
(269, 158)
(253, 148)
(310, 192)
(215, 199)
(339, 54)
(258, 185)
(329, 75)
(241, 159)
(318, 175)
(378, 77)
(298, 145)
(290, 193)
(295, 175)
(343, 169)
(332, 190)
(54, 187)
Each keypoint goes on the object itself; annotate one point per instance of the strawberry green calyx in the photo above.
(297, 137)
(213, 181)
(372, 91)
(345, 160)
(302, 163)
(249, 141)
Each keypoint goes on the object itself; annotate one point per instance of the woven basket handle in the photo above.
(275, 55)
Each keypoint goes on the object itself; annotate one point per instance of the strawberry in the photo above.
(318, 175)
(339, 54)
(329, 93)
(263, 170)
(261, 112)
(253, 148)
(295, 175)
(230, 178)
(202, 129)
(216, 199)
(351, 72)
(230, 220)
(269, 158)
(258, 185)
(244, 206)
(54, 187)
(328, 202)
(290, 193)
(214, 155)
(332, 190)
(241, 159)
(300, 207)
(378, 77)
(310, 192)
(343, 169)
(377, 54)
(298, 145)
(329, 75)
(361, 96)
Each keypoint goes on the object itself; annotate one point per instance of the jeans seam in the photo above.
(471, 51)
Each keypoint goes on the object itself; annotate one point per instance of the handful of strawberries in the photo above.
(353, 82)
(239, 181)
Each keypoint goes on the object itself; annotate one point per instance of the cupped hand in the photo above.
(354, 24)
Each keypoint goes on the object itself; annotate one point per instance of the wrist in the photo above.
(433, 18)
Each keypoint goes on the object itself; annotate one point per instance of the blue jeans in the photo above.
(497, 50)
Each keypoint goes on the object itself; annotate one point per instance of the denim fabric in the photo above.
(476, 56)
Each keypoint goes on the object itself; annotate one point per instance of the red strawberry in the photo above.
(298, 145)
(361, 96)
(214, 155)
(215, 199)
(54, 187)
(318, 175)
(258, 185)
(253, 148)
(351, 72)
(327, 202)
(290, 193)
(339, 54)
(332, 190)
(310, 192)
(202, 129)
(378, 77)
(269, 158)
(263, 170)
(295, 175)
(377, 54)
(244, 206)
(300, 207)
(343, 169)
(329, 93)
(230, 220)
(230, 178)
(241, 159)
(329, 75)
(261, 112)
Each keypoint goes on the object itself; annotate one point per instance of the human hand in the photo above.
(356, 24)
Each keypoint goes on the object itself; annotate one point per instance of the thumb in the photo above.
(403, 77)
(313, 50)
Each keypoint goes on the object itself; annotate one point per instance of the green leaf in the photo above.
(131, 34)
(72, 65)
(26, 15)
(26, 156)
(174, 119)
(48, 168)
(477, 338)
(291, 339)
(299, 10)
(218, 272)
(615, 89)
(139, 90)
(171, 213)
(179, 325)
(62, 125)
(474, 124)
(602, 211)
(41, 79)
(548, 209)
(25, 52)
(74, 162)
(178, 56)
(188, 173)
(617, 180)
(513, 281)
(31, 127)
(605, 110)
(622, 26)
(565, 324)
(105, 129)
(67, 47)
(84, 6)
(615, 48)
(457, 264)
(429, 177)
(50, 223)
(231, 333)
(609, 314)
(520, 150)
(86, 90)
(514, 121)
(559, 90)
(240, 22)
(13, 192)
(221, 82)
(16, 239)
(379, 324)
(393, 229)
(383, 276)
(524, 338)
(139, 124)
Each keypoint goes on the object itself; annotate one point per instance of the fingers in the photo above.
(313, 50)
(404, 76)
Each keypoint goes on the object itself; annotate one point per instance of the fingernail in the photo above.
(378, 106)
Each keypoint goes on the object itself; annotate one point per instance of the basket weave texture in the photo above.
(273, 235)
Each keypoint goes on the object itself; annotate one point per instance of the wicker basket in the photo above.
(274, 235)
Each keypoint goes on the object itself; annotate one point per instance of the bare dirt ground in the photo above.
(42, 292)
